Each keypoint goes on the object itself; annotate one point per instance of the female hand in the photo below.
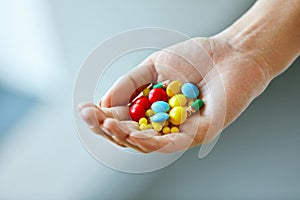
(228, 80)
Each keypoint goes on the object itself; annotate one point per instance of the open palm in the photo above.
(228, 81)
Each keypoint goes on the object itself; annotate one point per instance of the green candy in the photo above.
(158, 85)
(196, 105)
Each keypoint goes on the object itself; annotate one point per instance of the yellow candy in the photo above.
(173, 88)
(177, 100)
(166, 130)
(149, 113)
(145, 126)
(174, 129)
(177, 115)
(146, 92)
(157, 126)
(143, 120)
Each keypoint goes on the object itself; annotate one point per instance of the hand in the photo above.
(227, 78)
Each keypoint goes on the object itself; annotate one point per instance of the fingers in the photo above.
(93, 116)
(193, 133)
(119, 131)
(120, 92)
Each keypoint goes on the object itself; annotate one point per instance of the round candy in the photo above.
(143, 120)
(159, 117)
(145, 126)
(174, 129)
(144, 101)
(177, 100)
(166, 130)
(149, 113)
(156, 126)
(157, 94)
(177, 115)
(173, 88)
(190, 90)
(136, 112)
(160, 106)
(146, 92)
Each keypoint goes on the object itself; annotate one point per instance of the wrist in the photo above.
(269, 34)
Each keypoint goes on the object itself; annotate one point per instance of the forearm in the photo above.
(270, 33)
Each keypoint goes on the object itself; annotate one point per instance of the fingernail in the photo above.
(87, 116)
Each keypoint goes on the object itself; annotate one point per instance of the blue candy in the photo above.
(190, 90)
(160, 106)
(159, 117)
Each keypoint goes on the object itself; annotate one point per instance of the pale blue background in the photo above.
(42, 46)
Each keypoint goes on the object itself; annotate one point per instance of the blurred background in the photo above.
(42, 45)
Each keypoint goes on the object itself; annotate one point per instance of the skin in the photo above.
(230, 69)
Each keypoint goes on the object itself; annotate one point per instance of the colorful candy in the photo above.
(164, 106)
(146, 92)
(145, 126)
(173, 88)
(177, 115)
(149, 113)
(143, 120)
(144, 101)
(166, 130)
(157, 94)
(136, 112)
(159, 117)
(174, 129)
(160, 106)
(157, 126)
(177, 100)
(190, 90)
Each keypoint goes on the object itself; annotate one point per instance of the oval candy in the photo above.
(173, 88)
(177, 100)
(160, 106)
(159, 117)
(190, 90)
(177, 115)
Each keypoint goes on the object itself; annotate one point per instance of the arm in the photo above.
(245, 57)
(269, 32)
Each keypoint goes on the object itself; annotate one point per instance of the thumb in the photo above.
(120, 93)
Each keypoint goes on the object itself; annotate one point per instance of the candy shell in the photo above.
(149, 113)
(136, 112)
(197, 104)
(145, 126)
(156, 126)
(144, 101)
(174, 129)
(177, 100)
(177, 115)
(159, 117)
(173, 88)
(146, 92)
(190, 90)
(166, 130)
(160, 106)
(143, 120)
(157, 94)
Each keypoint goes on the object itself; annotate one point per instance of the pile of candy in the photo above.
(165, 106)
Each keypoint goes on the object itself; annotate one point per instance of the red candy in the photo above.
(157, 94)
(136, 112)
(144, 101)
